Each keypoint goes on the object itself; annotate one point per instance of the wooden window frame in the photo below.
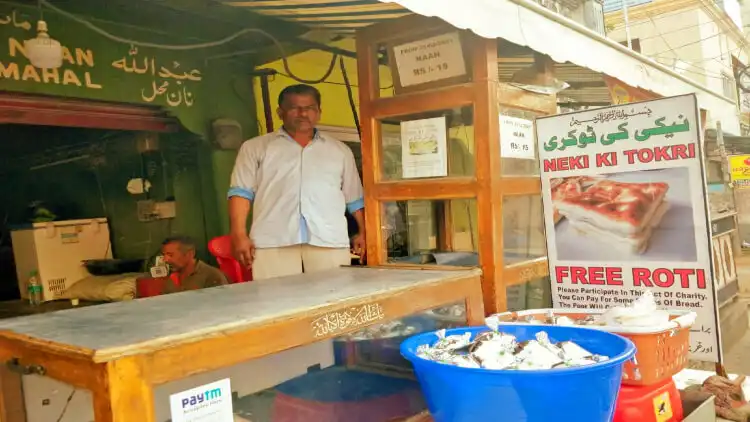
(488, 186)
(43, 110)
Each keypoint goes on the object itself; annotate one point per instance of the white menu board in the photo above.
(431, 59)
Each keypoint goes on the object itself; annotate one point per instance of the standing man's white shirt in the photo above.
(298, 183)
(299, 194)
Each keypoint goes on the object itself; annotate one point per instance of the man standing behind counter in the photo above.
(300, 182)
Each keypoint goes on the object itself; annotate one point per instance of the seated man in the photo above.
(187, 272)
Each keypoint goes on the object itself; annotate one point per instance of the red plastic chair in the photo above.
(221, 248)
(148, 286)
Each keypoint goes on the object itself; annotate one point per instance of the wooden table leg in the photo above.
(12, 404)
(125, 397)
(474, 304)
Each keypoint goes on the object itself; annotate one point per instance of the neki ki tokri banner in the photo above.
(625, 211)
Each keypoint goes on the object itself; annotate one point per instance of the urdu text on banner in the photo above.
(625, 211)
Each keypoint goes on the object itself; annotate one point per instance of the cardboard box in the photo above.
(703, 412)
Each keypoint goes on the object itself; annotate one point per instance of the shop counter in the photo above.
(121, 351)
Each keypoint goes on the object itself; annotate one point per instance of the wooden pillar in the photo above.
(367, 68)
(127, 397)
(489, 178)
(12, 404)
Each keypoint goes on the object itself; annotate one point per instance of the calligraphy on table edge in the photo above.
(352, 317)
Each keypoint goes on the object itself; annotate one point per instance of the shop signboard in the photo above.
(625, 211)
(97, 68)
(622, 93)
(94, 67)
(739, 170)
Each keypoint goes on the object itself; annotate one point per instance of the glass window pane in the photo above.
(534, 294)
(518, 166)
(353, 377)
(432, 146)
(377, 346)
(431, 232)
(523, 229)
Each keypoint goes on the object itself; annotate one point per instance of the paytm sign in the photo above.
(201, 398)
(210, 402)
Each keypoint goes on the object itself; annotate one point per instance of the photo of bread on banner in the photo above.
(624, 215)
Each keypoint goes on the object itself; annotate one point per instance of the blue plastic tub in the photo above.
(584, 394)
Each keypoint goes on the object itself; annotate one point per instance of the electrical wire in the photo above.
(728, 53)
(677, 30)
(714, 76)
(686, 45)
(98, 179)
(333, 83)
(116, 38)
(743, 43)
(671, 49)
(661, 15)
(350, 94)
(197, 46)
(656, 28)
(676, 13)
(67, 403)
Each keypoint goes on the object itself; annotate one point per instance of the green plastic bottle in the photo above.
(34, 287)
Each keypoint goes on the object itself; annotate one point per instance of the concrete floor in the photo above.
(736, 359)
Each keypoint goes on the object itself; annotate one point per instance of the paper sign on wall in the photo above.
(516, 138)
(625, 211)
(424, 148)
(431, 59)
(739, 169)
(207, 403)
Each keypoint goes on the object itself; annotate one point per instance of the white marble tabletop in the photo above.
(152, 323)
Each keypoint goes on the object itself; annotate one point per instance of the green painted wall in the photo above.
(193, 89)
(98, 68)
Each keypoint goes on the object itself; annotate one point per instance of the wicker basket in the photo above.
(662, 351)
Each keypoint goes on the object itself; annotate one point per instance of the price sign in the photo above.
(516, 138)
(429, 60)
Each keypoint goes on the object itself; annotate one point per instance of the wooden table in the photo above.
(21, 307)
(120, 351)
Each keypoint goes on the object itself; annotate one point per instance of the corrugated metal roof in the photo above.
(586, 85)
(340, 16)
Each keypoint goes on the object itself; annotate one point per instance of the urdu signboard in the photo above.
(624, 199)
